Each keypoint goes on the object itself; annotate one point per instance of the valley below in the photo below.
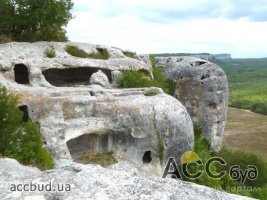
(246, 131)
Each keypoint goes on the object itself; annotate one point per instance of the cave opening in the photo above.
(147, 157)
(72, 76)
(24, 109)
(21, 74)
(98, 143)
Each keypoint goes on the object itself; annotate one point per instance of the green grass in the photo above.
(201, 148)
(103, 159)
(150, 93)
(50, 52)
(77, 52)
(247, 79)
(20, 140)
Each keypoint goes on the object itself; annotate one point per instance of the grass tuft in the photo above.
(77, 52)
(103, 159)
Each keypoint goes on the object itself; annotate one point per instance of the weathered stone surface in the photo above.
(120, 181)
(99, 78)
(202, 87)
(76, 117)
(116, 75)
(33, 57)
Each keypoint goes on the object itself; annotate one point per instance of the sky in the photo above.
(238, 27)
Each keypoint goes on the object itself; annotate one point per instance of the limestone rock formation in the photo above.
(202, 87)
(76, 117)
(99, 78)
(120, 181)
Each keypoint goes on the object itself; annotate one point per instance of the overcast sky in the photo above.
(238, 27)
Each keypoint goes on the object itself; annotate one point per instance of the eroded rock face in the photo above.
(202, 87)
(76, 117)
(99, 78)
(120, 181)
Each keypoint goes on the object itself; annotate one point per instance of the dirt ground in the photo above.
(246, 131)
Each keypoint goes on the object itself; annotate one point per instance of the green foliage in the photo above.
(150, 93)
(243, 160)
(247, 80)
(258, 187)
(152, 60)
(162, 81)
(20, 140)
(35, 20)
(101, 54)
(103, 159)
(50, 52)
(77, 52)
(129, 54)
(135, 79)
(260, 108)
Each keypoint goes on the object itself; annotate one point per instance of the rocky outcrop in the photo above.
(76, 181)
(78, 116)
(99, 78)
(202, 87)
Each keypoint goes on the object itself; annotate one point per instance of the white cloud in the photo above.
(122, 24)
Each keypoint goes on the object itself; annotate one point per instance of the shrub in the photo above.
(136, 79)
(133, 79)
(202, 147)
(50, 52)
(260, 108)
(77, 52)
(129, 54)
(152, 60)
(20, 140)
(101, 54)
(244, 159)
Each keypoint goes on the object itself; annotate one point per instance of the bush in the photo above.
(202, 147)
(244, 159)
(20, 140)
(129, 54)
(260, 108)
(77, 52)
(50, 52)
(133, 79)
(136, 79)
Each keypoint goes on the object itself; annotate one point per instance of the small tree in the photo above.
(34, 20)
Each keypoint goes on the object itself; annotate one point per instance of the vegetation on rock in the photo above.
(50, 52)
(77, 52)
(129, 54)
(136, 79)
(103, 159)
(20, 140)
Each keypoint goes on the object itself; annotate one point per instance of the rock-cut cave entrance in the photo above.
(24, 109)
(21, 74)
(99, 143)
(72, 76)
